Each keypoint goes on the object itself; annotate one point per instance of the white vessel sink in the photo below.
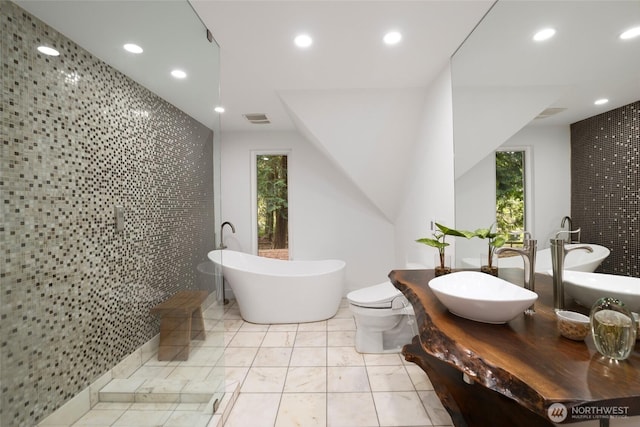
(587, 288)
(481, 297)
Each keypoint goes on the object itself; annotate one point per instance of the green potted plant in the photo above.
(438, 242)
(496, 240)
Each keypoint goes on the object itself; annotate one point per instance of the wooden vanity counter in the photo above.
(517, 370)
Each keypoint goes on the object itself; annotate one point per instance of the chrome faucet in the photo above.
(528, 253)
(570, 234)
(570, 231)
(558, 254)
(233, 230)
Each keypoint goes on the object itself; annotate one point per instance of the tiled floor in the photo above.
(305, 374)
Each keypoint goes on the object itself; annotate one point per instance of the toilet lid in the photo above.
(377, 296)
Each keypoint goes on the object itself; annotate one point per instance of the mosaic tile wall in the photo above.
(78, 138)
(605, 185)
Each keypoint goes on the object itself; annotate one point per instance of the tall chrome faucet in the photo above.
(233, 230)
(558, 254)
(570, 231)
(528, 253)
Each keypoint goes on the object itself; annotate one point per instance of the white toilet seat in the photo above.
(376, 296)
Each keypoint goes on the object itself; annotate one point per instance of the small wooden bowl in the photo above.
(572, 325)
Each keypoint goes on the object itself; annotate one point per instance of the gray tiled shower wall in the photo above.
(78, 137)
(605, 185)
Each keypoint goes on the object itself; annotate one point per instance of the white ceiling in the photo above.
(259, 60)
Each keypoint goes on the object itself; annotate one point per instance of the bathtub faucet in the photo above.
(233, 230)
(528, 253)
(558, 253)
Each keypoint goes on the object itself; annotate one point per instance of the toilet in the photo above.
(385, 320)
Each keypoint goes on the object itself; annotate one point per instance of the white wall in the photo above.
(329, 217)
(429, 190)
(551, 169)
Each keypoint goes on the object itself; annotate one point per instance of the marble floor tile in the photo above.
(306, 380)
(254, 410)
(190, 372)
(253, 327)
(273, 356)
(142, 418)
(247, 339)
(146, 372)
(343, 312)
(351, 410)
(389, 378)
(320, 326)
(187, 419)
(279, 339)
(400, 409)
(341, 324)
(347, 379)
(235, 374)
(100, 417)
(341, 338)
(264, 380)
(239, 356)
(439, 416)
(311, 339)
(302, 409)
(309, 356)
(232, 325)
(392, 359)
(419, 378)
(344, 356)
(283, 327)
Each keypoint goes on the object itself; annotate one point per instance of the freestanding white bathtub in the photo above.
(276, 291)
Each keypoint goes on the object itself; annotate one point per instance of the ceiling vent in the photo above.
(257, 118)
(550, 112)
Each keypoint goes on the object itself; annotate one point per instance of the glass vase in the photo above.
(442, 264)
(613, 328)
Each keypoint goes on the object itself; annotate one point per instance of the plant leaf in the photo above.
(450, 231)
(433, 242)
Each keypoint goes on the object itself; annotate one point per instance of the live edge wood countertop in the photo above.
(515, 371)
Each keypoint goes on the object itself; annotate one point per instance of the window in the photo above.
(510, 194)
(272, 205)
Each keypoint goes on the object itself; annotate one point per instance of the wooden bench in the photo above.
(180, 322)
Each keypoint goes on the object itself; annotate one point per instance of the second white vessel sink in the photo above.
(587, 288)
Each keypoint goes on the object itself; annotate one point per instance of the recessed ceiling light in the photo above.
(46, 50)
(178, 74)
(544, 34)
(392, 37)
(219, 109)
(630, 33)
(133, 48)
(601, 101)
(303, 40)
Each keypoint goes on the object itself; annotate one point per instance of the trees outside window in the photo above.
(272, 205)
(510, 193)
